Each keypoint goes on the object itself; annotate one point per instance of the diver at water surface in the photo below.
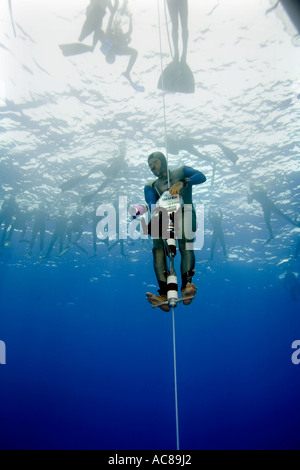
(181, 183)
(75, 227)
(39, 228)
(20, 224)
(110, 170)
(59, 233)
(116, 43)
(177, 76)
(9, 209)
(95, 14)
(268, 207)
(216, 218)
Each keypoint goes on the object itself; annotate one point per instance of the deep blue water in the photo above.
(99, 373)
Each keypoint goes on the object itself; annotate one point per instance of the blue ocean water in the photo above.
(89, 364)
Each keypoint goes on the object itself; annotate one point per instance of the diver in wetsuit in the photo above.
(116, 43)
(75, 226)
(9, 209)
(95, 14)
(59, 233)
(215, 218)
(110, 171)
(177, 76)
(39, 228)
(181, 182)
(268, 208)
(19, 223)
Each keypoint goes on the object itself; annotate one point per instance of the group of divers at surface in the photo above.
(68, 230)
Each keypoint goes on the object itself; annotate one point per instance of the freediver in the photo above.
(95, 14)
(181, 181)
(110, 171)
(177, 77)
(75, 227)
(20, 223)
(39, 228)
(109, 244)
(59, 233)
(116, 43)
(291, 284)
(174, 146)
(268, 208)
(216, 218)
(9, 209)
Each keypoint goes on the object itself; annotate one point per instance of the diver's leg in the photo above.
(283, 215)
(95, 239)
(4, 233)
(69, 237)
(173, 10)
(159, 263)
(91, 25)
(213, 246)
(42, 238)
(33, 238)
(188, 260)
(79, 235)
(133, 56)
(99, 35)
(267, 216)
(184, 13)
(160, 268)
(133, 53)
(10, 233)
(52, 243)
(223, 244)
(22, 236)
(62, 238)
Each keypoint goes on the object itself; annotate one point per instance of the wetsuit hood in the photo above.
(160, 156)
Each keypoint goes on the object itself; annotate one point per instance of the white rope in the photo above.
(167, 157)
(175, 382)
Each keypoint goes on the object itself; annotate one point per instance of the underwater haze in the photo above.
(88, 362)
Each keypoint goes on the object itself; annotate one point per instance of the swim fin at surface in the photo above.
(74, 49)
(177, 78)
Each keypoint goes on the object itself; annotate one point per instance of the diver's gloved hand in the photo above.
(176, 188)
